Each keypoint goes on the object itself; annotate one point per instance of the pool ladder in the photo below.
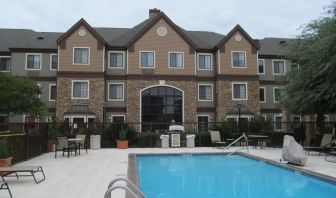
(129, 187)
(246, 140)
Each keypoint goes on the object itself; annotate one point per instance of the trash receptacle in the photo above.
(95, 142)
(190, 141)
(165, 141)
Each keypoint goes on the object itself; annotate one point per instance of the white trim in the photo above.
(263, 60)
(50, 91)
(264, 88)
(284, 61)
(291, 68)
(195, 54)
(34, 54)
(140, 99)
(40, 86)
(108, 91)
(235, 117)
(275, 122)
(245, 64)
(88, 91)
(140, 60)
(104, 59)
(274, 88)
(294, 116)
(175, 52)
(218, 65)
(73, 55)
(212, 92)
(51, 69)
(117, 115)
(127, 62)
(109, 59)
(211, 61)
(10, 66)
(246, 89)
(58, 56)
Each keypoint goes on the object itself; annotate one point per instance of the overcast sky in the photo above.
(260, 18)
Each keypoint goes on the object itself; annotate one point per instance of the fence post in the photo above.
(26, 146)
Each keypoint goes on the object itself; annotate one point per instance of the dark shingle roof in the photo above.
(24, 38)
(274, 46)
(205, 40)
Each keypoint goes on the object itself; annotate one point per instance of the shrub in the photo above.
(145, 139)
(3, 148)
(203, 139)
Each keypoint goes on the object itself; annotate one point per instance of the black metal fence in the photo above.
(27, 140)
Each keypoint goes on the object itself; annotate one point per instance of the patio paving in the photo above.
(87, 176)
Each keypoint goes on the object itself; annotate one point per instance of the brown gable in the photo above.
(155, 19)
(76, 26)
(239, 29)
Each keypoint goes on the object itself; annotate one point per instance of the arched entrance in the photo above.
(161, 104)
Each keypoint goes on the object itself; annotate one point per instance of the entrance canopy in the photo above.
(79, 109)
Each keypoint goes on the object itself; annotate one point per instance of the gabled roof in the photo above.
(76, 26)
(237, 28)
(146, 25)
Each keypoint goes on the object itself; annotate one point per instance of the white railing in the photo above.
(128, 186)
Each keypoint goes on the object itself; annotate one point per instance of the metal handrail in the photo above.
(112, 187)
(246, 140)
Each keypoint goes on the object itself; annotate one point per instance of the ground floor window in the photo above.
(117, 119)
(203, 123)
(278, 122)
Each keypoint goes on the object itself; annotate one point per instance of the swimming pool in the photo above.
(196, 176)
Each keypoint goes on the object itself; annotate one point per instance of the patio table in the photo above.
(76, 142)
(257, 138)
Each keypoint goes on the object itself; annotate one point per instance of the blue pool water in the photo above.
(196, 176)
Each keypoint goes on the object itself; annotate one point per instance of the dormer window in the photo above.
(238, 59)
(204, 61)
(81, 55)
(116, 59)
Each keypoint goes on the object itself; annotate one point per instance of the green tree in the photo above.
(312, 89)
(19, 95)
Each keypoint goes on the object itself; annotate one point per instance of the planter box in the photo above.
(122, 144)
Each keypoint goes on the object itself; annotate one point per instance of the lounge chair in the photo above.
(216, 139)
(325, 145)
(82, 143)
(31, 170)
(62, 144)
(4, 186)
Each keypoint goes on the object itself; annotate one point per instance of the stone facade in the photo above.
(133, 97)
(95, 101)
(225, 102)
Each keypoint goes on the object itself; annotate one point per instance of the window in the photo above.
(261, 66)
(80, 89)
(53, 61)
(239, 91)
(279, 93)
(116, 60)
(147, 59)
(295, 67)
(279, 67)
(81, 55)
(116, 91)
(118, 118)
(203, 123)
(176, 59)
(297, 119)
(5, 63)
(205, 61)
(262, 94)
(33, 61)
(204, 92)
(39, 95)
(238, 59)
(278, 122)
(52, 92)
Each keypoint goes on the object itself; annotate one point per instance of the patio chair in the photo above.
(325, 145)
(63, 145)
(83, 142)
(216, 139)
(4, 186)
(331, 152)
(30, 171)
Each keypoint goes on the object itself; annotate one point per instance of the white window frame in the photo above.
(232, 92)
(232, 66)
(211, 61)
(274, 88)
(291, 68)
(275, 122)
(295, 116)
(264, 88)
(73, 55)
(34, 54)
(212, 92)
(277, 74)
(72, 89)
(109, 59)
(328, 118)
(263, 60)
(50, 92)
(140, 60)
(175, 52)
(51, 55)
(203, 115)
(235, 117)
(108, 91)
(10, 64)
(40, 86)
(117, 115)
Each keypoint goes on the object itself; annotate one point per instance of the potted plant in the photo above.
(5, 159)
(122, 142)
(52, 133)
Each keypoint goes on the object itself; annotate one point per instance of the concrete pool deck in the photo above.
(87, 176)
